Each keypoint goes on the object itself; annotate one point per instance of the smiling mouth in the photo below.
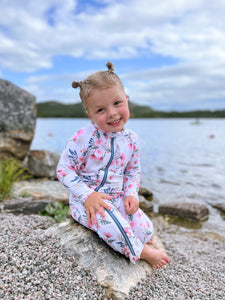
(115, 123)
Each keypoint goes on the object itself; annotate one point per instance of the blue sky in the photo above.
(170, 54)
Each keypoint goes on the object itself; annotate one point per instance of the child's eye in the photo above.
(117, 103)
(99, 110)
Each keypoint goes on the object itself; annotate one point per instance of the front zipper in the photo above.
(110, 213)
(121, 230)
(107, 166)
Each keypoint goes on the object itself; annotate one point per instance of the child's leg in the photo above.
(143, 228)
(114, 229)
(117, 233)
(140, 223)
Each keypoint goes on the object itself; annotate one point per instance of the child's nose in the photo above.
(112, 112)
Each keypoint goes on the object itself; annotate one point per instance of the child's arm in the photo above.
(69, 166)
(67, 173)
(132, 174)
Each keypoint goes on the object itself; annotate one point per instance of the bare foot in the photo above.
(156, 258)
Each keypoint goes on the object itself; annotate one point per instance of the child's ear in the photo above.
(89, 116)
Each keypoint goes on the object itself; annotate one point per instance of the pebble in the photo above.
(33, 265)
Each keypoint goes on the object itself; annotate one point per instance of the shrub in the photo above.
(58, 212)
(10, 172)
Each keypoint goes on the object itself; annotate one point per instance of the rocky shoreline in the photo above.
(33, 265)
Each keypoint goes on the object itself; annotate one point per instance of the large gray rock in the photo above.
(42, 163)
(111, 269)
(41, 189)
(186, 210)
(17, 120)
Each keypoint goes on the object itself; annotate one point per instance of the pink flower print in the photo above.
(98, 142)
(79, 132)
(108, 234)
(127, 230)
(130, 186)
(138, 214)
(148, 224)
(130, 146)
(71, 167)
(62, 173)
(122, 157)
(80, 159)
(126, 251)
(133, 224)
(111, 177)
(129, 168)
(75, 139)
(99, 152)
(93, 156)
(134, 258)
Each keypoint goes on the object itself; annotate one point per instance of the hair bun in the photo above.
(110, 66)
(76, 84)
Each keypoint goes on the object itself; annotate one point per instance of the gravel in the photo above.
(33, 266)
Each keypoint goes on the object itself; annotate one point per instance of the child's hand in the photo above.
(93, 204)
(131, 205)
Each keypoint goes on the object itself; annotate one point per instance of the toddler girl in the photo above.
(101, 168)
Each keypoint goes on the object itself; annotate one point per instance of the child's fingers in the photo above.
(88, 218)
(107, 197)
(102, 212)
(93, 217)
(105, 205)
(127, 207)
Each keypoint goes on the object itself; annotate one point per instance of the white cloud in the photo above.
(190, 31)
(168, 87)
(184, 29)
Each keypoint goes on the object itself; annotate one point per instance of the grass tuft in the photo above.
(10, 172)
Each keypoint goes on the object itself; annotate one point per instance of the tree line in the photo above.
(54, 109)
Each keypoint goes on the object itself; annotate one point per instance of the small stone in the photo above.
(185, 210)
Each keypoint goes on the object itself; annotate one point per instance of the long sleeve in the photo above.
(132, 174)
(69, 166)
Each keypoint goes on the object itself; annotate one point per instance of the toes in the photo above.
(160, 264)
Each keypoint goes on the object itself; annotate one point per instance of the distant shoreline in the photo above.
(54, 109)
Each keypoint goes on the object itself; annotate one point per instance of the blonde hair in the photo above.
(97, 80)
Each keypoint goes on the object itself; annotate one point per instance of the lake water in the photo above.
(181, 160)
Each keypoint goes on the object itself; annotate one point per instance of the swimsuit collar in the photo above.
(108, 133)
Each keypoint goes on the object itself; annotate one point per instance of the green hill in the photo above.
(54, 109)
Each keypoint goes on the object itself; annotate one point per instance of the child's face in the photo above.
(108, 108)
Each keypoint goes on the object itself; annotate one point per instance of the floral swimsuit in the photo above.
(107, 162)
